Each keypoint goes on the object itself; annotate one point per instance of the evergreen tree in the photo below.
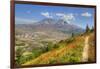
(72, 34)
(92, 29)
(87, 29)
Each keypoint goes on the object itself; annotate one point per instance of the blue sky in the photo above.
(26, 13)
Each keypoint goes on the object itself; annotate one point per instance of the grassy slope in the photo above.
(91, 48)
(67, 53)
(70, 52)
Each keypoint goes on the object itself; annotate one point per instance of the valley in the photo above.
(50, 41)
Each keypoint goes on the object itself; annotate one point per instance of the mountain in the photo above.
(49, 25)
(47, 21)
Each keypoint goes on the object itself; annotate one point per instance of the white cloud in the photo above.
(66, 17)
(60, 14)
(46, 14)
(86, 14)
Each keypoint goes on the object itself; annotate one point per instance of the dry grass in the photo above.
(91, 48)
(69, 53)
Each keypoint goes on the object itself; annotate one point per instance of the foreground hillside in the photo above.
(67, 51)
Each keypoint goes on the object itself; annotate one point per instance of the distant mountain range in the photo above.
(51, 25)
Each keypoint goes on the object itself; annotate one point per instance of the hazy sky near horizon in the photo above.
(27, 13)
